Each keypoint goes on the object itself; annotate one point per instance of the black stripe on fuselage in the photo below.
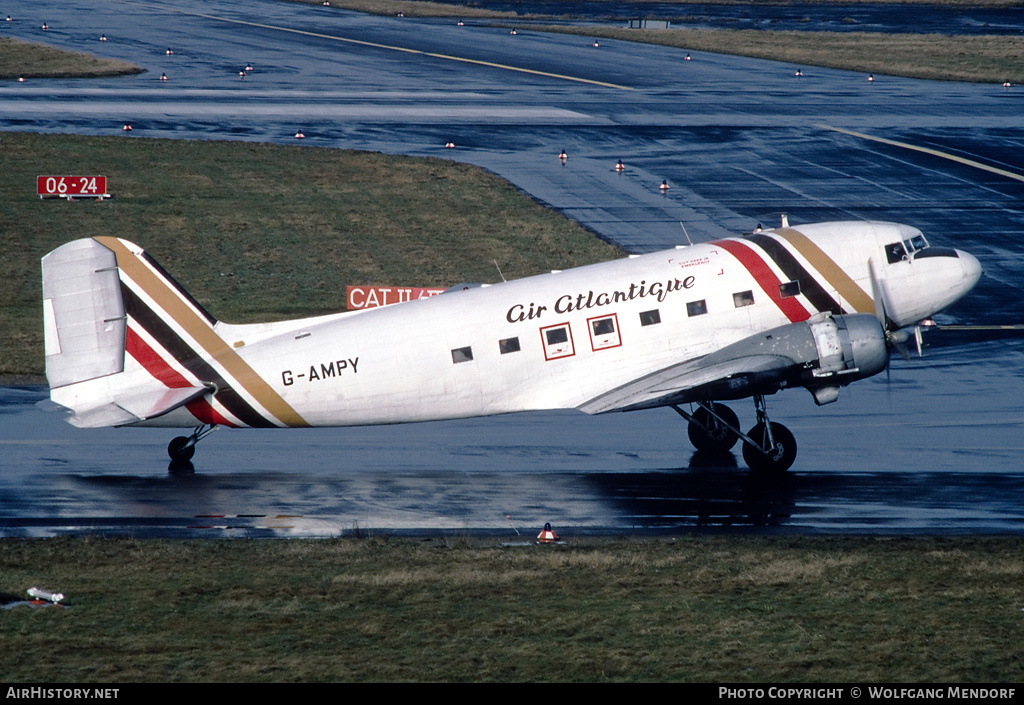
(809, 286)
(187, 357)
(171, 281)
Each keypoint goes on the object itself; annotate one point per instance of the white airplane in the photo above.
(817, 306)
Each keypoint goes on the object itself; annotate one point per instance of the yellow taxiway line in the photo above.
(928, 150)
(376, 45)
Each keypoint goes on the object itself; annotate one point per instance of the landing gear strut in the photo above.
(711, 426)
(184, 447)
(767, 447)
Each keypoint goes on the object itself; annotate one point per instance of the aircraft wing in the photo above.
(822, 353)
(132, 408)
(693, 380)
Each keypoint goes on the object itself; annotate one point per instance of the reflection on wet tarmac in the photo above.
(506, 476)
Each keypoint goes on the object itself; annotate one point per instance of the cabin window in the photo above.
(788, 290)
(603, 326)
(743, 298)
(895, 252)
(508, 345)
(604, 332)
(557, 341)
(650, 318)
(462, 355)
(696, 308)
(555, 336)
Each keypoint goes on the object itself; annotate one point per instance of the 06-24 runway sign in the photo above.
(72, 186)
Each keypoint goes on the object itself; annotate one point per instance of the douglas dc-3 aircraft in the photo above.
(817, 306)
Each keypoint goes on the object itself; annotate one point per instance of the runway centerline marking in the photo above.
(928, 150)
(376, 45)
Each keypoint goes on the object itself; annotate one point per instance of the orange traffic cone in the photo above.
(547, 535)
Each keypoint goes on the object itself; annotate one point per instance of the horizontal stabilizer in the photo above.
(149, 405)
(129, 408)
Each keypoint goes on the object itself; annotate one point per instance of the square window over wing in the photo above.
(508, 345)
(650, 318)
(743, 298)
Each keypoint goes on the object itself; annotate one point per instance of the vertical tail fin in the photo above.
(84, 320)
(126, 343)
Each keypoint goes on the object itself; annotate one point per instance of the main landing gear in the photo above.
(182, 448)
(767, 447)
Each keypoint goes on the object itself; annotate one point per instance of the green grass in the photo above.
(36, 60)
(264, 232)
(981, 59)
(706, 609)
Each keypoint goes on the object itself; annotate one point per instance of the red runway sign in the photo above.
(72, 186)
(374, 296)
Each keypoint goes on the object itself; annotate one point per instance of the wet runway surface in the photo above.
(740, 141)
(798, 17)
(913, 454)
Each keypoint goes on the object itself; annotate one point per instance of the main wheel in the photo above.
(774, 458)
(718, 436)
(179, 449)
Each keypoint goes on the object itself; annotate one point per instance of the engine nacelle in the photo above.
(849, 348)
(823, 353)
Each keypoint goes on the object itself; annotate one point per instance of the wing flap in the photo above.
(675, 384)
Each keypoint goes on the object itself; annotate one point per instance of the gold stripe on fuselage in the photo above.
(176, 309)
(835, 275)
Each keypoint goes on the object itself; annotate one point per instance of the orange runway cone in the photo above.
(547, 535)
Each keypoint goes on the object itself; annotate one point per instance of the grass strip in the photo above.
(704, 608)
(34, 60)
(978, 59)
(266, 232)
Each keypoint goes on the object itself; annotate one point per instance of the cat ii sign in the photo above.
(376, 296)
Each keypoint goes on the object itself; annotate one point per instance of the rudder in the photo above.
(84, 321)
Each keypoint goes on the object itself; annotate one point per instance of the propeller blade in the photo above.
(895, 338)
(878, 296)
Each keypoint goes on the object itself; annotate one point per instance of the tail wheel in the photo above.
(775, 455)
(180, 449)
(708, 433)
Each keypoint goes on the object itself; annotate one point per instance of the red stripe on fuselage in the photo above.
(204, 411)
(158, 367)
(151, 360)
(765, 278)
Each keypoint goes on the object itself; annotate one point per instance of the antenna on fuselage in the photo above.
(499, 270)
(685, 233)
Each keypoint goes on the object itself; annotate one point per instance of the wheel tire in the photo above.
(721, 437)
(778, 460)
(179, 449)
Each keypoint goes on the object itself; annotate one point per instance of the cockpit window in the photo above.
(895, 252)
(916, 243)
(901, 251)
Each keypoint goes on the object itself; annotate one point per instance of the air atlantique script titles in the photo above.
(568, 303)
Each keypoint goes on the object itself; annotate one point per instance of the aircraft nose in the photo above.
(971, 268)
